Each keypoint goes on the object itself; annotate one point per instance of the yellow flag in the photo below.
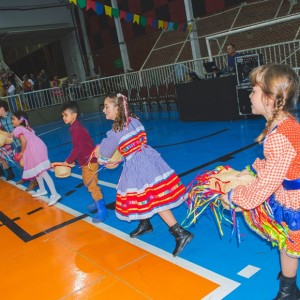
(74, 1)
(108, 10)
(136, 19)
(160, 24)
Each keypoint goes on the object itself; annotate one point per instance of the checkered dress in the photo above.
(281, 161)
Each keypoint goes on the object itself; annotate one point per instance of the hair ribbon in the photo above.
(125, 105)
(25, 120)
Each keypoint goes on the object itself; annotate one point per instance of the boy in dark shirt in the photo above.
(83, 146)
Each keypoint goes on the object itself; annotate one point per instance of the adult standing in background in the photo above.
(36, 86)
(231, 55)
(45, 85)
(11, 91)
(11, 76)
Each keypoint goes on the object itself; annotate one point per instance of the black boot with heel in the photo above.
(144, 227)
(182, 237)
(288, 289)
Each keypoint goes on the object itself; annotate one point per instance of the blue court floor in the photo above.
(191, 148)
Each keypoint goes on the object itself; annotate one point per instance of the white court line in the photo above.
(226, 285)
(96, 117)
(248, 271)
(49, 131)
(104, 183)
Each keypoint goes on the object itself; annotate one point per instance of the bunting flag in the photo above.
(115, 13)
(99, 8)
(91, 4)
(143, 21)
(130, 17)
(149, 21)
(108, 10)
(123, 15)
(136, 19)
(81, 3)
(170, 25)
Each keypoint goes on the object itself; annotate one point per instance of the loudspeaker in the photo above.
(244, 65)
(244, 103)
(208, 100)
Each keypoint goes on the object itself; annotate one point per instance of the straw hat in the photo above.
(114, 161)
(60, 170)
(8, 139)
(2, 140)
(227, 180)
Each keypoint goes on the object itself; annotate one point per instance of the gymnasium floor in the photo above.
(58, 253)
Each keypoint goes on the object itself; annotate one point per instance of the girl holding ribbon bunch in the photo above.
(34, 154)
(147, 184)
(277, 175)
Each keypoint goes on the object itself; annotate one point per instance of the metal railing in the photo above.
(151, 85)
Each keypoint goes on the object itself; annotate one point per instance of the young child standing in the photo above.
(83, 146)
(275, 90)
(147, 184)
(35, 156)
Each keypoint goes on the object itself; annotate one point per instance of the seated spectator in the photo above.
(57, 90)
(27, 86)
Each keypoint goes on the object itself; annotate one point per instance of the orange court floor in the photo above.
(48, 253)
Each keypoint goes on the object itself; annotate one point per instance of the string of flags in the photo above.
(128, 17)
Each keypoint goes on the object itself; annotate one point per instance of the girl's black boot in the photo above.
(288, 289)
(144, 227)
(182, 237)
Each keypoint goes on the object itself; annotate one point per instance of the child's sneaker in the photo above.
(54, 199)
(39, 193)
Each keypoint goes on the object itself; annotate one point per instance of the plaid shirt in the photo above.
(8, 126)
(282, 161)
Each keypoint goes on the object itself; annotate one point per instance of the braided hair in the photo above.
(280, 83)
